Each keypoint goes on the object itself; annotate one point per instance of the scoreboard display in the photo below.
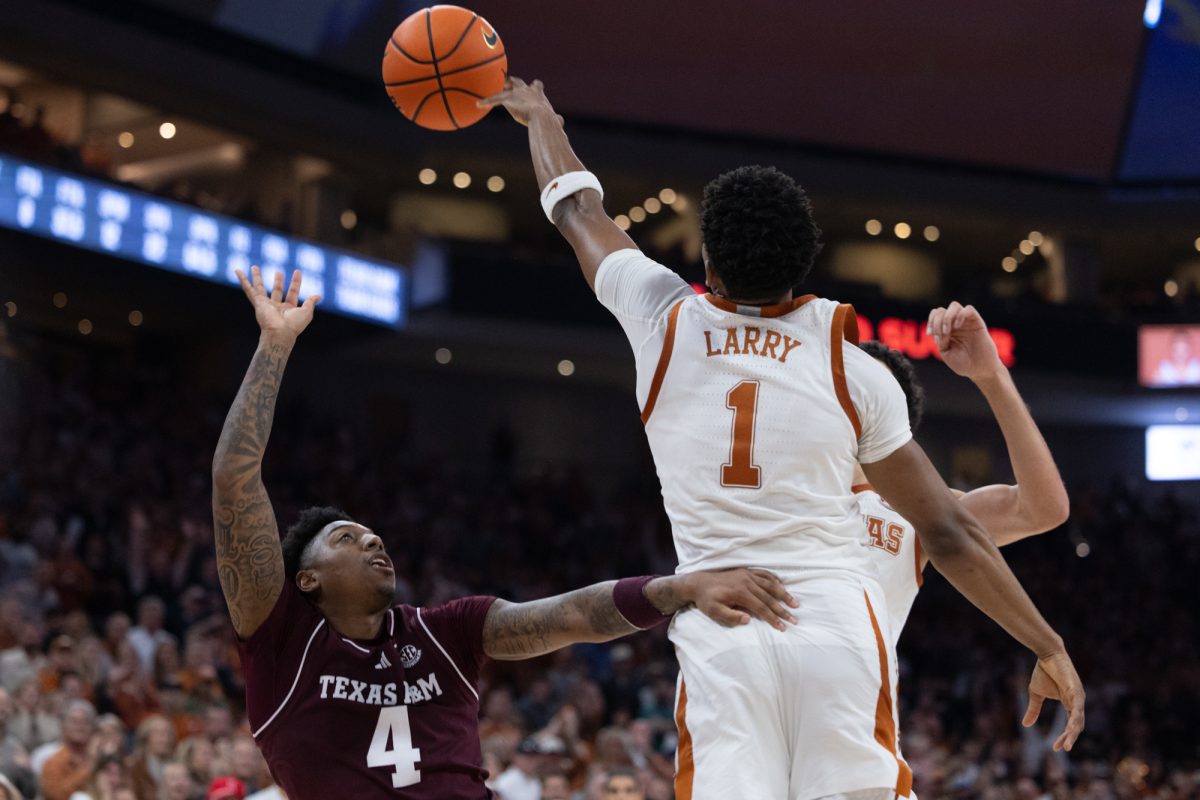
(130, 224)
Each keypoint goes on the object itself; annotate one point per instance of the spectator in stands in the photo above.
(176, 784)
(14, 758)
(623, 784)
(555, 785)
(70, 768)
(154, 745)
(148, 634)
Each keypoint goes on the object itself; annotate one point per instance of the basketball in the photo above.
(439, 62)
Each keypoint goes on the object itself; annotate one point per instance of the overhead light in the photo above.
(874, 227)
(461, 180)
(652, 205)
(1009, 264)
(1170, 288)
(125, 140)
(1026, 247)
(902, 230)
(637, 213)
(495, 184)
(10, 308)
(85, 326)
(667, 196)
(1197, 243)
(680, 203)
(136, 318)
(1152, 14)
(1083, 549)
(566, 368)
(167, 130)
(349, 219)
(1036, 238)
(622, 221)
(932, 234)
(60, 300)
(1181, 414)
(442, 355)
(427, 176)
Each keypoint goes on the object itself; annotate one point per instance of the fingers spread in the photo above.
(246, 287)
(256, 277)
(775, 588)
(277, 288)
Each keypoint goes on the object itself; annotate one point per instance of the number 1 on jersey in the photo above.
(402, 757)
(741, 471)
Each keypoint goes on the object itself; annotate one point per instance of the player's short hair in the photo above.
(758, 228)
(905, 375)
(307, 525)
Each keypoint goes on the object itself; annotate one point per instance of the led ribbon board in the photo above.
(100, 216)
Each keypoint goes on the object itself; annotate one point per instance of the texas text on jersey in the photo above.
(394, 717)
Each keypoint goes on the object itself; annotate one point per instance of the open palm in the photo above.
(278, 313)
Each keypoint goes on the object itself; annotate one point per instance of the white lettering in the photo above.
(430, 687)
(356, 693)
(325, 681)
(389, 694)
(339, 691)
(375, 696)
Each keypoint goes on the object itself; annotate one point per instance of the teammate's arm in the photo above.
(581, 217)
(515, 631)
(249, 558)
(1038, 501)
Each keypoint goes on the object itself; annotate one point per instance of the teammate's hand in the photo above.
(521, 99)
(964, 342)
(278, 314)
(1055, 678)
(732, 596)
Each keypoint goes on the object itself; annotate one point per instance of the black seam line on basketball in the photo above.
(407, 54)
(437, 72)
(460, 38)
(451, 72)
(421, 105)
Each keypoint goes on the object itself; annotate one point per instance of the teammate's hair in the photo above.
(307, 525)
(905, 375)
(759, 231)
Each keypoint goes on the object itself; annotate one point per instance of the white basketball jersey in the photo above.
(896, 551)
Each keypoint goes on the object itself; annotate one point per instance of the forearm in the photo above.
(247, 428)
(550, 148)
(1041, 496)
(965, 554)
(514, 631)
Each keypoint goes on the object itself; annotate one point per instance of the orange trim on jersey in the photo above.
(919, 566)
(664, 359)
(777, 310)
(685, 765)
(858, 488)
(885, 723)
(845, 323)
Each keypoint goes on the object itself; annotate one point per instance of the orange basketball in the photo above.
(441, 60)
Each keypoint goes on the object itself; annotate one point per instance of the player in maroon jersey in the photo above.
(350, 696)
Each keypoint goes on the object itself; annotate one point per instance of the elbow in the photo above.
(953, 537)
(1049, 510)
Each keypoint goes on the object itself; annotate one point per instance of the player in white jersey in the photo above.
(1037, 502)
(758, 409)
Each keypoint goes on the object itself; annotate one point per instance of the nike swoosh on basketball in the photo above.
(490, 39)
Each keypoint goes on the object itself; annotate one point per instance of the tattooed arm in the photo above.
(249, 558)
(515, 631)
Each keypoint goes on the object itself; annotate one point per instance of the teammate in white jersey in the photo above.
(1037, 502)
(758, 409)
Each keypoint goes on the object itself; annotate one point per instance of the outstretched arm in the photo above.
(581, 217)
(962, 550)
(1038, 501)
(249, 558)
(515, 631)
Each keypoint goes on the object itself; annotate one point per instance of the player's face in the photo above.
(350, 564)
(622, 787)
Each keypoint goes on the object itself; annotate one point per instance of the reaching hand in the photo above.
(521, 99)
(962, 338)
(1055, 678)
(276, 313)
(732, 596)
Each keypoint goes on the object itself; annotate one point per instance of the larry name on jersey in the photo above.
(752, 341)
(338, 687)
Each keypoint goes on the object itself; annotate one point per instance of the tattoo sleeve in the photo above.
(249, 557)
(515, 631)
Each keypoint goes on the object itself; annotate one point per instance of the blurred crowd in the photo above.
(119, 679)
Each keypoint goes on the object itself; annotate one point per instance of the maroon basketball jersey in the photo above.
(396, 717)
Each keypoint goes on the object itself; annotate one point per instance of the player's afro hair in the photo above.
(759, 232)
(905, 375)
(307, 525)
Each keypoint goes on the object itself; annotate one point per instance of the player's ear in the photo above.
(307, 580)
(711, 279)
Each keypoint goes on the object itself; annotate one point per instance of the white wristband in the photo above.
(566, 185)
